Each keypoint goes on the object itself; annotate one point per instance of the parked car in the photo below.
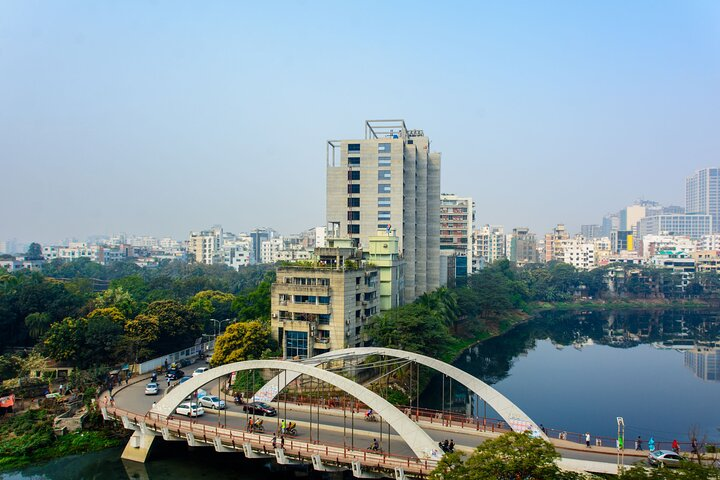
(200, 371)
(152, 388)
(259, 408)
(664, 458)
(175, 373)
(190, 409)
(211, 401)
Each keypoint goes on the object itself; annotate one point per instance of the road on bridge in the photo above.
(334, 422)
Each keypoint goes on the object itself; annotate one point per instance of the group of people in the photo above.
(447, 446)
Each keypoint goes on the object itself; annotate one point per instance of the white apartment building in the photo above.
(74, 251)
(237, 250)
(489, 245)
(578, 252)
(457, 215)
(390, 180)
(652, 244)
(709, 242)
(206, 246)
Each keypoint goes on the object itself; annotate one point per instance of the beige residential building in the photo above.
(707, 261)
(206, 246)
(326, 304)
(389, 181)
(553, 243)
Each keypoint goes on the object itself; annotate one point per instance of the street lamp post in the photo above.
(219, 323)
(620, 445)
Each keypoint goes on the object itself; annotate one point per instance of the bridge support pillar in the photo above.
(400, 473)
(249, 453)
(281, 459)
(318, 465)
(219, 447)
(358, 471)
(194, 442)
(138, 447)
(168, 436)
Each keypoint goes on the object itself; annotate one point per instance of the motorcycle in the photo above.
(258, 426)
(371, 418)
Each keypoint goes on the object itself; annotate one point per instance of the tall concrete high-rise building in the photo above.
(206, 246)
(702, 194)
(389, 181)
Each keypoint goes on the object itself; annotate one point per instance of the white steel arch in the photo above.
(511, 413)
(416, 438)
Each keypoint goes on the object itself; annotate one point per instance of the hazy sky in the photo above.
(161, 117)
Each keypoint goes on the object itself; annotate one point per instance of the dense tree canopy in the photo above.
(511, 456)
(241, 341)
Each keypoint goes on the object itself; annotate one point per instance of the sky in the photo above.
(162, 117)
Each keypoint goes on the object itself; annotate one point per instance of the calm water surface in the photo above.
(660, 371)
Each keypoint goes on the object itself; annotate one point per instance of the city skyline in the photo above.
(159, 119)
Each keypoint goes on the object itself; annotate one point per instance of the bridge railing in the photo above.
(329, 452)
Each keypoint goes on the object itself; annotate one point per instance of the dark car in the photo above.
(175, 373)
(259, 408)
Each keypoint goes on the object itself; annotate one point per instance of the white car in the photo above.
(189, 409)
(152, 388)
(211, 401)
(200, 371)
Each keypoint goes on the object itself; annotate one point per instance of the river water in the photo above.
(569, 371)
(573, 372)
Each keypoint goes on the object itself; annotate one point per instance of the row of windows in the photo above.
(383, 161)
(354, 215)
(354, 202)
(355, 175)
(382, 188)
(382, 147)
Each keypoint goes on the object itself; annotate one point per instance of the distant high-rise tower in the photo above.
(389, 181)
(702, 194)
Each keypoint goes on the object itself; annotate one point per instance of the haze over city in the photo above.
(159, 118)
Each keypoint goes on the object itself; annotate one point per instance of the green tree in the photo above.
(511, 456)
(37, 324)
(141, 332)
(212, 304)
(179, 327)
(119, 298)
(255, 304)
(241, 341)
(686, 471)
(110, 313)
(64, 340)
(34, 252)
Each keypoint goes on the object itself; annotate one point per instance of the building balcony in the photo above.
(291, 288)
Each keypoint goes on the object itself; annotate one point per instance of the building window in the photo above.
(353, 147)
(383, 161)
(383, 201)
(354, 161)
(353, 215)
(382, 174)
(382, 187)
(382, 226)
(353, 188)
(353, 202)
(353, 229)
(383, 148)
(324, 319)
(354, 175)
(296, 344)
(410, 142)
(383, 215)
(324, 300)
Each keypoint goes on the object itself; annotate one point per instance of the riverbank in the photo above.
(28, 438)
(501, 324)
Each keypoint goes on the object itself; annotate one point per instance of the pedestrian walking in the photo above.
(638, 443)
(676, 446)
(587, 439)
(112, 401)
(542, 429)
(451, 446)
(107, 399)
(694, 446)
(282, 427)
(282, 441)
(274, 441)
(250, 424)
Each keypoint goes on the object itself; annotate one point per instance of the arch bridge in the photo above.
(161, 420)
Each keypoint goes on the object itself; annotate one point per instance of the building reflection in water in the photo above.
(704, 362)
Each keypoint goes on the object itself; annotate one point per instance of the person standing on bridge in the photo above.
(282, 441)
(274, 441)
(676, 446)
(638, 443)
(587, 439)
(282, 427)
